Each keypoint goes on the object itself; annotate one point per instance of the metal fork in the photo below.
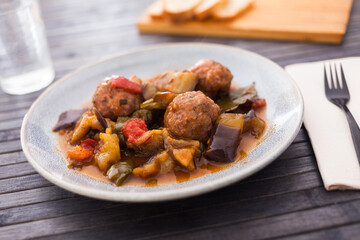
(339, 95)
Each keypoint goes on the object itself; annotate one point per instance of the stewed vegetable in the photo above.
(226, 138)
(119, 171)
(178, 125)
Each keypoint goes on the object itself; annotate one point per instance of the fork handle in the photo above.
(355, 130)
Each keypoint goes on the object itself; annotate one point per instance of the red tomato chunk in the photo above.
(134, 129)
(89, 144)
(126, 84)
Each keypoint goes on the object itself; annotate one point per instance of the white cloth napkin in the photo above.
(327, 125)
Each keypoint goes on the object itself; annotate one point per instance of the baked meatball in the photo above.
(214, 78)
(191, 115)
(113, 102)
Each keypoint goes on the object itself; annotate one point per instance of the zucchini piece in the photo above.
(119, 171)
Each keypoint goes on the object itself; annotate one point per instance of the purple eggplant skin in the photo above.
(69, 118)
(224, 144)
(100, 118)
(226, 138)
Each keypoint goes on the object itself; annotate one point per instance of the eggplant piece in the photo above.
(149, 143)
(184, 156)
(100, 118)
(254, 124)
(226, 138)
(160, 163)
(182, 151)
(118, 172)
(237, 98)
(68, 119)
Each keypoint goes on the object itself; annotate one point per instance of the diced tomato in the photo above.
(79, 153)
(126, 84)
(259, 102)
(89, 144)
(134, 129)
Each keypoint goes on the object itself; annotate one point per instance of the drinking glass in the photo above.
(25, 63)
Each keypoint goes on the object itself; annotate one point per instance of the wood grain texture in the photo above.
(306, 20)
(285, 200)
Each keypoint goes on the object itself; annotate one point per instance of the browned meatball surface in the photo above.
(214, 78)
(113, 102)
(191, 115)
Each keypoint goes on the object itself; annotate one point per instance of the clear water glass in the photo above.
(25, 63)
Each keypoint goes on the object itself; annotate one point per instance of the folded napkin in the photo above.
(327, 125)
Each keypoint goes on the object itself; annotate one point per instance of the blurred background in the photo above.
(80, 32)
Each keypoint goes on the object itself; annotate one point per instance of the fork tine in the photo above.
(337, 78)
(343, 80)
(332, 83)
(326, 81)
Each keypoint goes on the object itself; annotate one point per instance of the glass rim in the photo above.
(23, 5)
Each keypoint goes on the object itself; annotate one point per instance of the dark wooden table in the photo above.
(285, 200)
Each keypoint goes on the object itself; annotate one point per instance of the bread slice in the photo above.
(180, 10)
(231, 9)
(206, 8)
(156, 9)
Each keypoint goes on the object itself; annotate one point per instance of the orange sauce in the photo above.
(179, 174)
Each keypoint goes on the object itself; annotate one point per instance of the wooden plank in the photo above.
(302, 136)
(322, 56)
(10, 146)
(53, 209)
(19, 113)
(15, 106)
(252, 218)
(11, 158)
(290, 223)
(296, 150)
(9, 135)
(348, 232)
(286, 167)
(32, 196)
(16, 170)
(22, 183)
(279, 185)
(278, 226)
(7, 99)
(10, 124)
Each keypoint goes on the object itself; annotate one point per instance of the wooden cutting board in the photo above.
(297, 20)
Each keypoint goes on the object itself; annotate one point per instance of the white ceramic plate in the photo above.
(284, 112)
